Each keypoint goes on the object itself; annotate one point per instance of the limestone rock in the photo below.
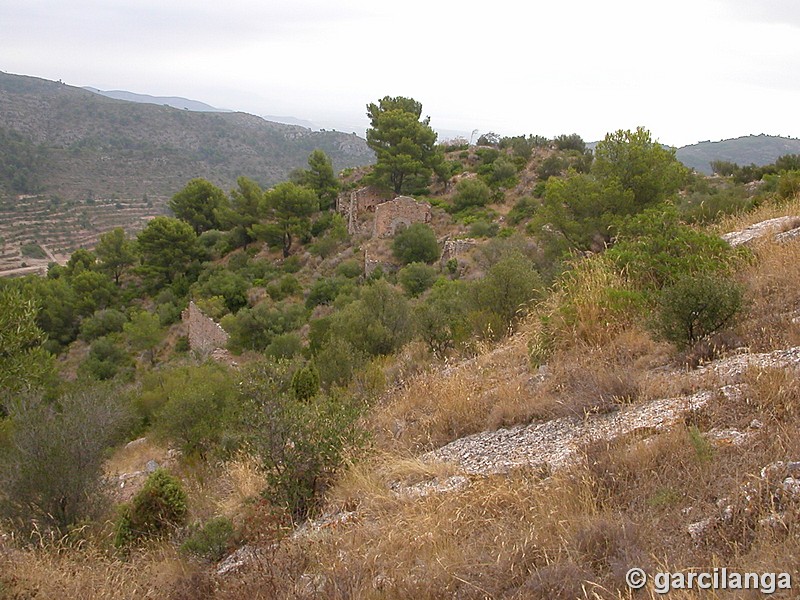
(784, 228)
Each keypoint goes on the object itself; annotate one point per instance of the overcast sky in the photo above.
(688, 70)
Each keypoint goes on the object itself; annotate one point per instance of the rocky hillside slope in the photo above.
(95, 147)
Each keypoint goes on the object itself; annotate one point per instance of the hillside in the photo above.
(102, 148)
(752, 149)
(506, 380)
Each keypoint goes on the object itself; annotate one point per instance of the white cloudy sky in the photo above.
(688, 70)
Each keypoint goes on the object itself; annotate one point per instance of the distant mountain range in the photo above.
(173, 101)
(85, 143)
(77, 144)
(194, 105)
(752, 149)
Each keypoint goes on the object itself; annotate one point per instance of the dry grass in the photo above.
(573, 535)
(772, 284)
(775, 393)
(436, 407)
(62, 571)
(588, 306)
(134, 456)
(241, 480)
(477, 542)
(593, 379)
(768, 210)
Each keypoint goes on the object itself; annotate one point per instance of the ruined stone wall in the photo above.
(399, 213)
(205, 334)
(359, 202)
(456, 248)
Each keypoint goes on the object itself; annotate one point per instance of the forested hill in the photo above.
(752, 149)
(74, 144)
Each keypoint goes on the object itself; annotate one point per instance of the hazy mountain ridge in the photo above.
(173, 101)
(99, 147)
(752, 149)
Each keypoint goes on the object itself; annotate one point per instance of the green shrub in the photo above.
(572, 141)
(189, 406)
(301, 443)
(212, 541)
(504, 172)
(230, 286)
(708, 207)
(483, 229)
(254, 328)
(507, 288)
(325, 290)
(417, 243)
(32, 250)
(789, 184)
(106, 360)
(441, 318)
(283, 288)
(102, 323)
(52, 455)
(292, 264)
(469, 193)
(416, 277)
(523, 209)
(655, 249)
(378, 323)
(552, 166)
(285, 345)
(305, 382)
(350, 268)
(694, 307)
(182, 344)
(156, 510)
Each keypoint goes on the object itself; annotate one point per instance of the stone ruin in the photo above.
(390, 214)
(456, 248)
(205, 334)
(359, 202)
(397, 214)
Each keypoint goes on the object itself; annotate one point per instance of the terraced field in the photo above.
(38, 230)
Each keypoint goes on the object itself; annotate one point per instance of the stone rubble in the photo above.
(731, 369)
(557, 443)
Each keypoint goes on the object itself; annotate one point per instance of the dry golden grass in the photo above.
(587, 306)
(436, 407)
(573, 535)
(134, 456)
(471, 543)
(772, 284)
(768, 210)
(775, 393)
(61, 571)
(589, 379)
(241, 480)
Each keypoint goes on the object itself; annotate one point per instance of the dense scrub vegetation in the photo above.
(574, 254)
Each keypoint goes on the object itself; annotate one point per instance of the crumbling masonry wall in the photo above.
(205, 334)
(399, 213)
(359, 202)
